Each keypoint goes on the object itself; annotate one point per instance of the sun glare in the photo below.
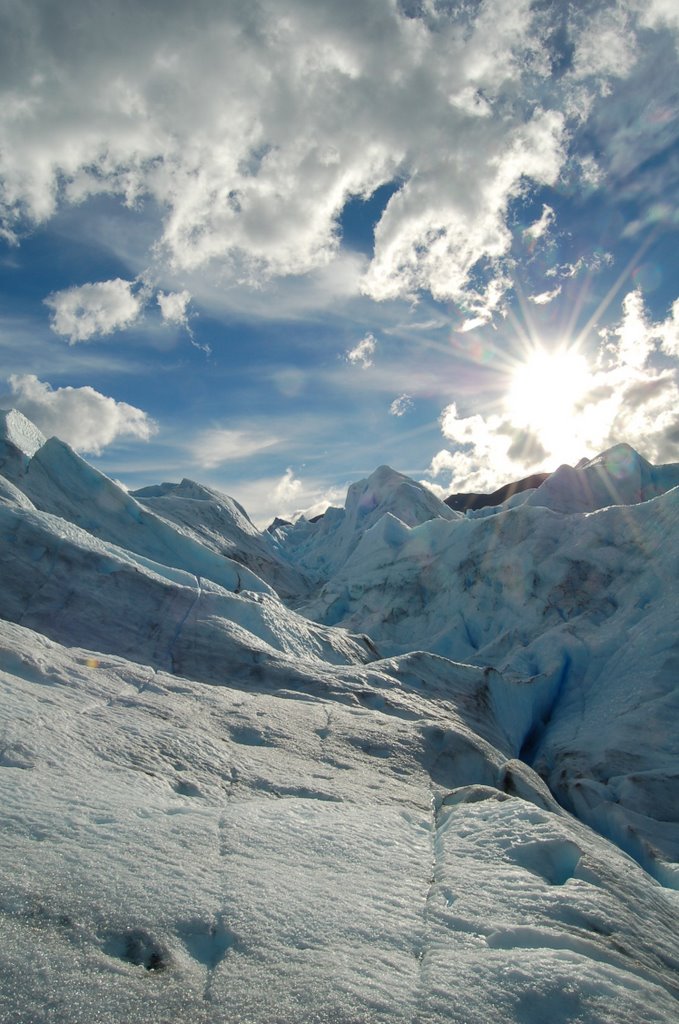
(544, 394)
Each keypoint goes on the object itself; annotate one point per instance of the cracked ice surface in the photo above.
(214, 854)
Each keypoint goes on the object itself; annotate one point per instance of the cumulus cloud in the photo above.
(627, 393)
(91, 310)
(84, 418)
(270, 496)
(362, 353)
(668, 332)
(288, 489)
(438, 226)
(173, 306)
(401, 405)
(217, 445)
(250, 126)
(481, 454)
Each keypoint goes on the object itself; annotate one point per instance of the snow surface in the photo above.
(217, 810)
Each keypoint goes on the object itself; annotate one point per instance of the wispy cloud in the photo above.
(362, 353)
(401, 405)
(174, 310)
(540, 227)
(543, 298)
(218, 445)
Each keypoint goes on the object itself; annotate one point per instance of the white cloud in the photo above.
(605, 44)
(173, 306)
(88, 310)
(631, 342)
(627, 395)
(473, 322)
(668, 332)
(659, 13)
(250, 127)
(217, 445)
(332, 496)
(362, 353)
(481, 457)
(441, 223)
(591, 173)
(592, 264)
(173, 310)
(401, 405)
(84, 418)
(544, 297)
(271, 496)
(288, 489)
(540, 227)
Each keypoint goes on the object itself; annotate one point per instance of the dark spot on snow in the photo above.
(249, 736)
(136, 946)
(183, 788)
(369, 699)
(453, 759)
(208, 942)
(371, 749)
(472, 795)
(554, 860)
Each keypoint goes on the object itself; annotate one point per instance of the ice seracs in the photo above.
(446, 793)
(618, 476)
(320, 548)
(19, 432)
(222, 525)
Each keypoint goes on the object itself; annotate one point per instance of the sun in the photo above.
(545, 397)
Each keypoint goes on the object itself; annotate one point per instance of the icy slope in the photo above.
(204, 855)
(585, 603)
(222, 525)
(321, 548)
(64, 582)
(58, 481)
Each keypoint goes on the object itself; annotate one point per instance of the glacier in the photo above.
(397, 764)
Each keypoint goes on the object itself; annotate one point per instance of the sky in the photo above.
(272, 246)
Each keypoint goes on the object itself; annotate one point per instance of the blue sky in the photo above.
(272, 246)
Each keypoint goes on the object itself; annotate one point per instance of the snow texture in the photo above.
(16, 430)
(217, 810)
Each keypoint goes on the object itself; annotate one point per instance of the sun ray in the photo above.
(544, 394)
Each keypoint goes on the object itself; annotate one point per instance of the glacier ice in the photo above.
(447, 792)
